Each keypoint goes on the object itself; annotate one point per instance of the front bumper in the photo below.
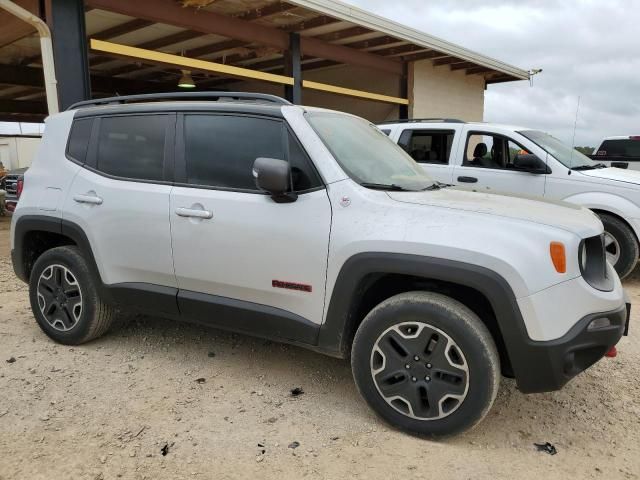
(548, 366)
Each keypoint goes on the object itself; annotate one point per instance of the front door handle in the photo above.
(90, 199)
(468, 179)
(194, 213)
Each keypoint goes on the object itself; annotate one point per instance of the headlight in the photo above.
(593, 263)
(583, 256)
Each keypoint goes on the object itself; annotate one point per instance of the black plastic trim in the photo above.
(24, 225)
(534, 367)
(246, 317)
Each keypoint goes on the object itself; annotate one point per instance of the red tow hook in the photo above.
(612, 353)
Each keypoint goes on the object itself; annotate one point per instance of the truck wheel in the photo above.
(426, 364)
(620, 245)
(64, 298)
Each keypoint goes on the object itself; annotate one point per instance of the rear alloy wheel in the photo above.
(65, 299)
(426, 364)
(620, 244)
(59, 297)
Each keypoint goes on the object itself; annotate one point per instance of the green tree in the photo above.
(585, 150)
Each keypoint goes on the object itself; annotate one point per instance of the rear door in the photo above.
(487, 165)
(234, 245)
(120, 198)
(431, 148)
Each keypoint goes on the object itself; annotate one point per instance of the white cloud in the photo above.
(587, 49)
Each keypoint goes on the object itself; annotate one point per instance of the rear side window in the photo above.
(79, 139)
(132, 147)
(621, 147)
(427, 146)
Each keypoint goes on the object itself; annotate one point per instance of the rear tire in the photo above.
(621, 244)
(426, 364)
(65, 300)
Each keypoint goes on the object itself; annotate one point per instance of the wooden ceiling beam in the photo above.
(263, 12)
(122, 29)
(168, 11)
(342, 34)
(462, 65)
(478, 70)
(446, 61)
(423, 56)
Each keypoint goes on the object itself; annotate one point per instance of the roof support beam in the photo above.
(66, 20)
(293, 68)
(168, 11)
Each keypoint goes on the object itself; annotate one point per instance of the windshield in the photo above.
(366, 154)
(569, 157)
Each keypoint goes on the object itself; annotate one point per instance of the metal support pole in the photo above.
(66, 18)
(293, 68)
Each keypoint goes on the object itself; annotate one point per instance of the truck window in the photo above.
(427, 146)
(491, 151)
(620, 147)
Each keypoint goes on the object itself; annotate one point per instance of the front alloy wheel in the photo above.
(420, 371)
(426, 364)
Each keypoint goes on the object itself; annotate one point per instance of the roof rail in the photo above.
(423, 120)
(152, 97)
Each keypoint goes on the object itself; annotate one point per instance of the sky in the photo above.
(586, 48)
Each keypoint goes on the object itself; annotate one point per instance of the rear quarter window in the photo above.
(79, 139)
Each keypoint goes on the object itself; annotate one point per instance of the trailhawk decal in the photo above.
(301, 287)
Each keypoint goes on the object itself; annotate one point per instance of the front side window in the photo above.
(220, 151)
(487, 150)
(428, 146)
(132, 147)
(366, 154)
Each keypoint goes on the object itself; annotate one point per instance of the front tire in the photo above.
(64, 298)
(426, 364)
(621, 245)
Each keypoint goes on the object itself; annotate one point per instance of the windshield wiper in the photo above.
(436, 186)
(589, 167)
(384, 186)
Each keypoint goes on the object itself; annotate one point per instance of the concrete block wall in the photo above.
(441, 92)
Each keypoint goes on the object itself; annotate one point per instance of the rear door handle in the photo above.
(194, 213)
(90, 199)
(468, 179)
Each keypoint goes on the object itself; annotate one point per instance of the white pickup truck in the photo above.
(508, 159)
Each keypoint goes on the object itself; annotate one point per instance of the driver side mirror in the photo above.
(274, 177)
(530, 163)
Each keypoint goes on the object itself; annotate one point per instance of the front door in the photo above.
(234, 245)
(487, 166)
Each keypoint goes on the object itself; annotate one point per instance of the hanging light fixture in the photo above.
(186, 80)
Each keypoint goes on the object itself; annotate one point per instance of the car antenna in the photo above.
(573, 140)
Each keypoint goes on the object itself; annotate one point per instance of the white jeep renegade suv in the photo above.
(311, 227)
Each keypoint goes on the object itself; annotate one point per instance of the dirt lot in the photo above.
(106, 410)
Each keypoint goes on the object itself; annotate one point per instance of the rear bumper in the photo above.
(548, 366)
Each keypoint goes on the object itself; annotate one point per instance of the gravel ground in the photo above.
(158, 399)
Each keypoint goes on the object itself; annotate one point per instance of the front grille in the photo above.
(593, 263)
